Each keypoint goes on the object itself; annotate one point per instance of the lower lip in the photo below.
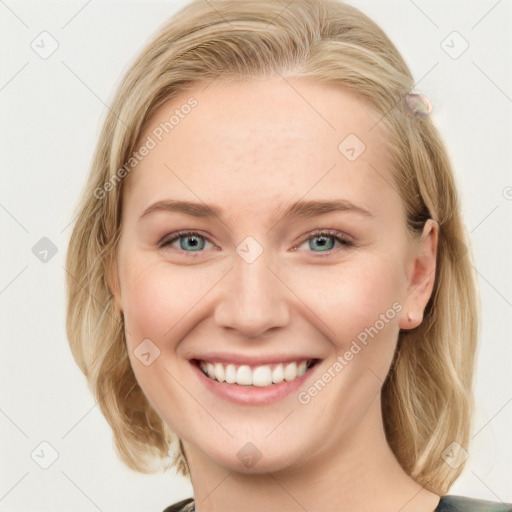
(252, 395)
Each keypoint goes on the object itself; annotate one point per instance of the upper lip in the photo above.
(260, 360)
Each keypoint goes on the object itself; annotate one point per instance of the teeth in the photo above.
(302, 368)
(260, 376)
(278, 374)
(211, 370)
(244, 375)
(290, 371)
(230, 374)
(219, 372)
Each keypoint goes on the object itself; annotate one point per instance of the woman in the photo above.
(278, 290)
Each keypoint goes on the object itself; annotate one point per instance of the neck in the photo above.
(361, 473)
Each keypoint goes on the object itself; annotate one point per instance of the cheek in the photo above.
(354, 297)
(150, 303)
(158, 298)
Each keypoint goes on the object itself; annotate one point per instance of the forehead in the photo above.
(259, 141)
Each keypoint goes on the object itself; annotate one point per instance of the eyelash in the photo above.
(317, 233)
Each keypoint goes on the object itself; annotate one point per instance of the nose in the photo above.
(253, 299)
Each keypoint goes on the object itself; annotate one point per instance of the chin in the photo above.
(253, 458)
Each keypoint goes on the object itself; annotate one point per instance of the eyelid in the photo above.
(327, 232)
(170, 238)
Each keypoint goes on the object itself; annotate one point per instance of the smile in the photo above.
(260, 376)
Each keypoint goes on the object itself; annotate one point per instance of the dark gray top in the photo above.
(447, 503)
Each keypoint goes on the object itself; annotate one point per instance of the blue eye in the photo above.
(326, 240)
(190, 241)
(193, 242)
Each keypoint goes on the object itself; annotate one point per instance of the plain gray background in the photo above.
(51, 112)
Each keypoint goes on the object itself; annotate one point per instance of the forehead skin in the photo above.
(254, 144)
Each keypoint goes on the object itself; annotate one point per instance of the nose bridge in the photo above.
(254, 300)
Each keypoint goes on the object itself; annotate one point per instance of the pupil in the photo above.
(321, 241)
(192, 242)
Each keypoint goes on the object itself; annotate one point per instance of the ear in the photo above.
(114, 284)
(421, 277)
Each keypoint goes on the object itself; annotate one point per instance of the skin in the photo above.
(249, 148)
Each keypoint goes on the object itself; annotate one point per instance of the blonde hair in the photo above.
(427, 398)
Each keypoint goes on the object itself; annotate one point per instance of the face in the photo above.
(258, 292)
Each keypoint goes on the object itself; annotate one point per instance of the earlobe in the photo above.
(411, 320)
(422, 279)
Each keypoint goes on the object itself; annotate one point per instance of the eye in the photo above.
(325, 240)
(189, 242)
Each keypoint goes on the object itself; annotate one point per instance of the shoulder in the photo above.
(451, 503)
(448, 503)
(182, 506)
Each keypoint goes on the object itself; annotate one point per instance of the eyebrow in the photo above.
(299, 209)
